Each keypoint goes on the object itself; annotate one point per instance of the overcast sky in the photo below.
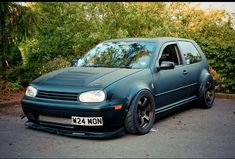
(228, 6)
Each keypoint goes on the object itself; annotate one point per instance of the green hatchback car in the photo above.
(120, 86)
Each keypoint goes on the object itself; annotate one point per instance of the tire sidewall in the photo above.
(202, 96)
(143, 93)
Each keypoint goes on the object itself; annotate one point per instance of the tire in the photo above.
(207, 94)
(141, 115)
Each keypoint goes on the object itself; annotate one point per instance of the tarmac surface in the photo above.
(192, 132)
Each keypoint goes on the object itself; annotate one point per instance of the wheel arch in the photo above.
(131, 123)
(135, 91)
(126, 89)
(205, 75)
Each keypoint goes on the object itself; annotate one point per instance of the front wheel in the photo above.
(141, 115)
(207, 94)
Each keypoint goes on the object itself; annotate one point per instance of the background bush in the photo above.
(23, 74)
(13, 86)
(67, 30)
(54, 64)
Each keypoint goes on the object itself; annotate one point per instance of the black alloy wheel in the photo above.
(141, 115)
(144, 113)
(207, 95)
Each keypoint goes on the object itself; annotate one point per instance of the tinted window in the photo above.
(119, 54)
(170, 54)
(190, 52)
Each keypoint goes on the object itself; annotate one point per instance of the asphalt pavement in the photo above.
(192, 132)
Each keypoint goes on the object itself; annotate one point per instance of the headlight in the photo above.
(92, 96)
(31, 91)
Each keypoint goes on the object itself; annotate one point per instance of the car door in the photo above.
(171, 85)
(193, 64)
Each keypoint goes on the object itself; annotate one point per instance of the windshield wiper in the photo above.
(102, 65)
(125, 67)
(118, 66)
(95, 65)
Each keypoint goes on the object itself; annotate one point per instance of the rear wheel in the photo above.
(207, 94)
(141, 115)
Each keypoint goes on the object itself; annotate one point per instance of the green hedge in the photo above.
(68, 30)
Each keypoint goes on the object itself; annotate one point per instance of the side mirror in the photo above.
(166, 65)
(74, 63)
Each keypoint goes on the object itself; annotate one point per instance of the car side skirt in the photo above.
(174, 105)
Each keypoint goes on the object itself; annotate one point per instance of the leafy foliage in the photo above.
(23, 74)
(68, 30)
(54, 64)
(13, 86)
(17, 22)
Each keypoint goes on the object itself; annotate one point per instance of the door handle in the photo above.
(185, 72)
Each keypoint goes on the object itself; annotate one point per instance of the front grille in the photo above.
(57, 95)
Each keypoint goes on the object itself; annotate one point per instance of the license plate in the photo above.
(87, 121)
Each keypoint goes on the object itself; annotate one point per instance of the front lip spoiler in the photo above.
(71, 133)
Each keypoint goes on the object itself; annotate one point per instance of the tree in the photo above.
(17, 22)
(69, 29)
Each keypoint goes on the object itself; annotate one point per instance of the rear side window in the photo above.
(190, 52)
(170, 53)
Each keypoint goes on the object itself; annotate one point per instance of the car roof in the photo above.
(157, 39)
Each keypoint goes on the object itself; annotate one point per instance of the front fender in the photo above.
(126, 89)
(134, 91)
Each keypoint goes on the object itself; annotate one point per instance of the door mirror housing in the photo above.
(74, 63)
(167, 65)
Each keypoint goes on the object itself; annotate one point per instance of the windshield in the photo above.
(118, 54)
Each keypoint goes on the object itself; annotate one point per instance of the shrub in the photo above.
(22, 74)
(54, 64)
(13, 86)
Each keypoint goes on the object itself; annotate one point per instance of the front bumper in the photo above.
(112, 119)
(72, 133)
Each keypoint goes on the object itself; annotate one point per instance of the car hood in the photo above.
(76, 78)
